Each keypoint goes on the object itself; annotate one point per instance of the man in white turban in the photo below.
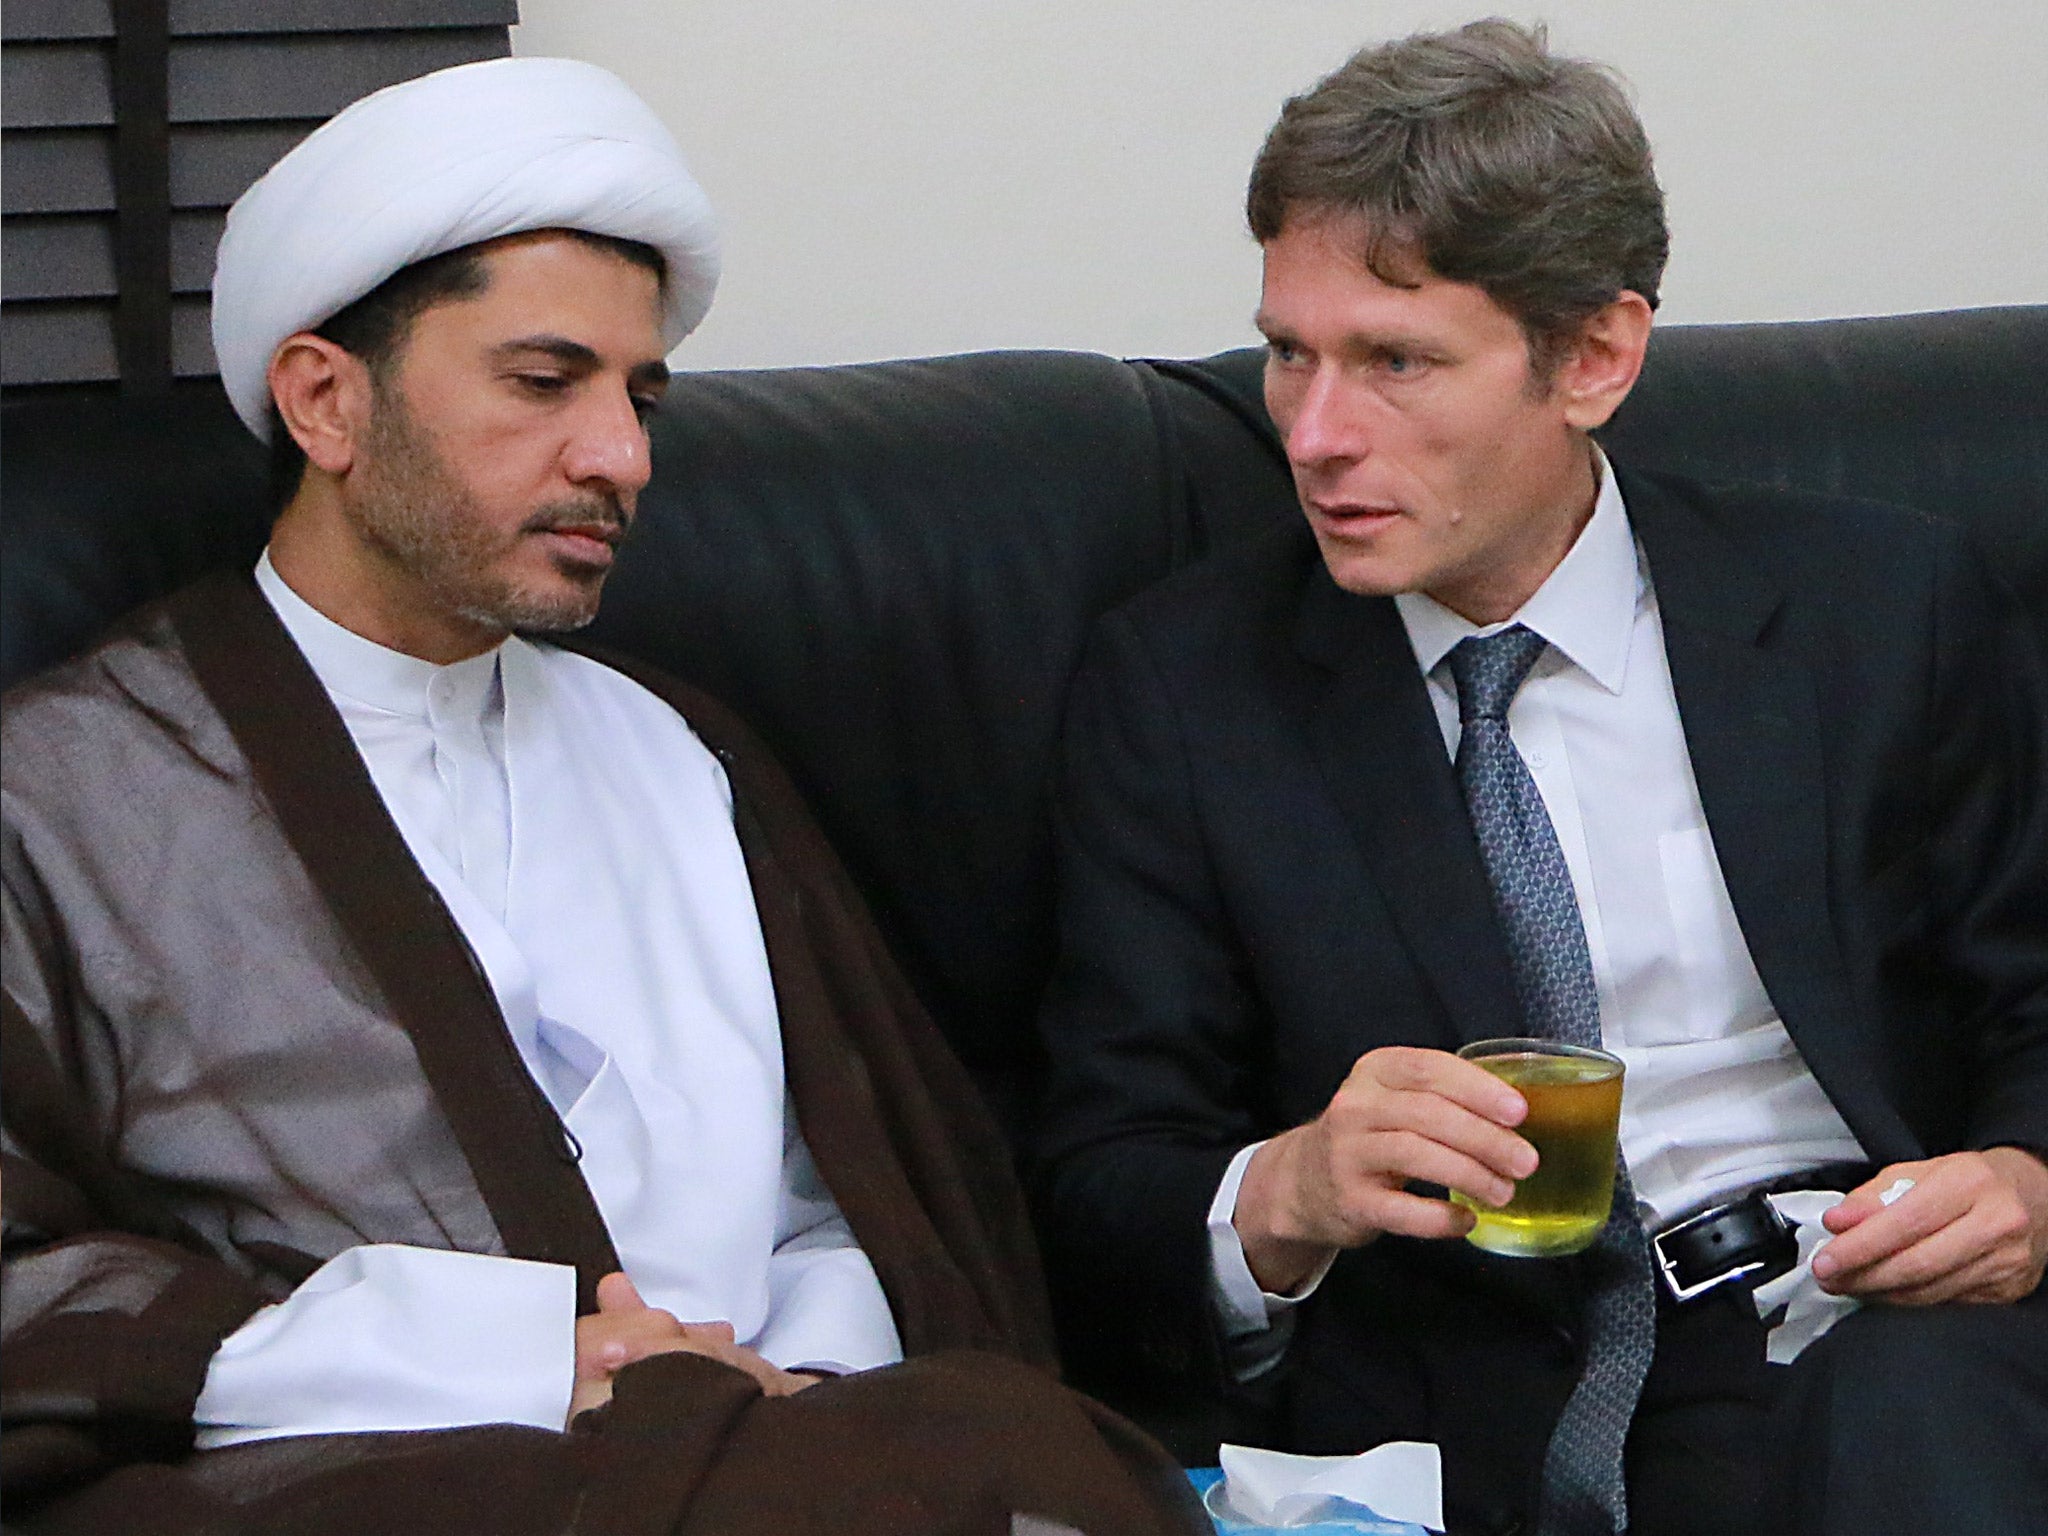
(449, 1081)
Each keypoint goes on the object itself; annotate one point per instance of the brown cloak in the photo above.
(242, 1034)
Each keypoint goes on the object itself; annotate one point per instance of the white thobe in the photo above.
(1716, 1096)
(582, 837)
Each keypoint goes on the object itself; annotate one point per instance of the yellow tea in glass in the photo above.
(1574, 1096)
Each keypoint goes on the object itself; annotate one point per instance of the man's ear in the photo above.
(323, 392)
(1601, 367)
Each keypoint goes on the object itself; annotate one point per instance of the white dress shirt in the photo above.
(1716, 1097)
(582, 838)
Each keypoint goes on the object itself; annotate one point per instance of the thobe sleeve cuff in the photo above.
(386, 1337)
(1257, 1324)
(826, 1310)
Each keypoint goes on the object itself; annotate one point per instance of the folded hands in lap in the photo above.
(624, 1329)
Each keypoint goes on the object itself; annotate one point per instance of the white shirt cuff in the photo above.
(387, 1337)
(1256, 1323)
(826, 1309)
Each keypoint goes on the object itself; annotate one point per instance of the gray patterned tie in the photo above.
(1583, 1494)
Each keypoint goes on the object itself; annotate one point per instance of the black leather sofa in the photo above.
(890, 568)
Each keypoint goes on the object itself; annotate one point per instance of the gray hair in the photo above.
(1489, 158)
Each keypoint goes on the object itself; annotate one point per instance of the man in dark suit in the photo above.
(1749, 787)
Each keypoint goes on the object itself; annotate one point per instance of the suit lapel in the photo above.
(1369, 723)
(1752, 728)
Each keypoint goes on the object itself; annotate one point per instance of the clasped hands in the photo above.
(624, 1329)
(1974, 1227)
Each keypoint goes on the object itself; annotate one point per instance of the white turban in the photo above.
(458, 156)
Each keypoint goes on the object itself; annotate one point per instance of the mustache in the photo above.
(601, 516)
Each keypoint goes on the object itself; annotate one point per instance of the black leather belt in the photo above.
(1743, 1240)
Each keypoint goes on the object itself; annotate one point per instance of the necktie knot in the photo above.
(1489, 671)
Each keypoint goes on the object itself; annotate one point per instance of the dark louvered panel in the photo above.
(193, 18)
(194, 238)
(57, 85)
(60, 171)
(245, 80)
(71, 256)
(58, 257)
(212, 164)
(192, 336)
(73, 341)
(239, 79)
(42, 20)
(72, 170)
(232, 79)
(54, 343)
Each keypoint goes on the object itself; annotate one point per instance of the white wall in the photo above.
(902, 177)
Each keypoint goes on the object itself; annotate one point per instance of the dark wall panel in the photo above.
(56, 85)
(41, 20)
(71, 170)
(246, 80)
(71, 256)
(212, 164)
(60, 170)
(64, 256)
(192, 336)
(45, 343)
(193, 17)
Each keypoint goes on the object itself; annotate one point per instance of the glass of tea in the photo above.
(1574, 1095)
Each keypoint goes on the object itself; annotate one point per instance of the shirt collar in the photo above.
(1586, 607)
(373, 674)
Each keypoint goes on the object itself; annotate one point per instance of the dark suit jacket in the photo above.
(1267, 870)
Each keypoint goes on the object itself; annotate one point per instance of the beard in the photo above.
(415, 512)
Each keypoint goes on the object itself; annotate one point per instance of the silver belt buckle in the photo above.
(1668, 1268)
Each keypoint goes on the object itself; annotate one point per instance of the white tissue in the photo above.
(1393, 1488)
(1809, 1310)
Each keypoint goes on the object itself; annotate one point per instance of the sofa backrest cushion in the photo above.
(890, 568)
